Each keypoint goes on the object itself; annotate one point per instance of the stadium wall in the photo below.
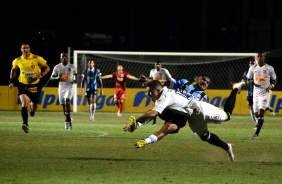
(137, 100)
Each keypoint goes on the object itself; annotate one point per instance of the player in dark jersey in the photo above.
(89, 82)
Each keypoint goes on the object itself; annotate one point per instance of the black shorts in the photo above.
(32, 91)
(91, 93)
(172, 117)
(250, 100)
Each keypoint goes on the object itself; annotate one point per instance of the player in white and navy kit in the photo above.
(66, 73)
(172, 121)
(250, 95)
(264, 78)
(159, 73)
(199, 113)
(91, 79)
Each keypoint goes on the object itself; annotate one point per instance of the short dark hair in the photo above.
(24, 43)
(158, 62)
(206, 75)
(154, 84)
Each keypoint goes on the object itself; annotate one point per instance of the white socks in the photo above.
(92, 109)
(151, 139)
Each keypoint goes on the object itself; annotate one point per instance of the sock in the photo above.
(24, 115)
(68, 118)
(259, 125)
(230, 102)
(64, 106)
(214, 140)
(94, 109)
(91, 109)
(151, 139)
(155, 120)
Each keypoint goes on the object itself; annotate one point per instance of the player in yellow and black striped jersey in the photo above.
(32, 68)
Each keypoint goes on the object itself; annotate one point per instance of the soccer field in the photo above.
(100, 152)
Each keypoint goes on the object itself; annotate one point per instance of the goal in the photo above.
(223, 68)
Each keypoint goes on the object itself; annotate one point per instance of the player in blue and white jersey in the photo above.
(250, 92)
(196, 90)
(90, 82)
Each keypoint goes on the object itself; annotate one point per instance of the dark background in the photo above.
(186, 26)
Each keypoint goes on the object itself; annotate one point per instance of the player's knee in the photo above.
(261, 115)
(67, 100)
(205, 137)
(169, 127)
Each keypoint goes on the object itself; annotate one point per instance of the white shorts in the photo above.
(64, 93)
(208, 114)
(261, 102)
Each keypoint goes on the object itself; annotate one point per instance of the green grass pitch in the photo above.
(100, 152)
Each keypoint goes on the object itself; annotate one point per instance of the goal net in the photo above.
(223, 68)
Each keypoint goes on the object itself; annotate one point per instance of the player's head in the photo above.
(91, 63)
(260, 57)
(158, 64)
(203, 81)
(120, 68)
(154, 89)
(64, 58)
(25, 48)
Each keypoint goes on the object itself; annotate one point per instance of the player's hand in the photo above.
(11, 85)
(126, 128)
(132, 125)
(144, 80)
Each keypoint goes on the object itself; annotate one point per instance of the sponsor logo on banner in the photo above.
(138, 101)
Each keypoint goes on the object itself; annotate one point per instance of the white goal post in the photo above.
(224, 67)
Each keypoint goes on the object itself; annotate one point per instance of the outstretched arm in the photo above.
(133, 122)
(147, 116)
(145, 80)
(106, 76)
(133, 77)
